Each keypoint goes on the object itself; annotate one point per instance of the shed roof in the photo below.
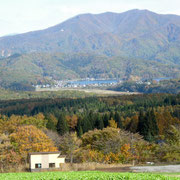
(38, 153)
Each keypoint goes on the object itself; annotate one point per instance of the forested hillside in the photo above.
(39, 68)
(95, 129)
(135, 33)
(171, 86)
(135, 44)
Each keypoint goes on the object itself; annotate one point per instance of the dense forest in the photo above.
(118, 129)
(6, 94)
(165, 86)
(20, 71)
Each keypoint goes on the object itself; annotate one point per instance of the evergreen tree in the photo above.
(92, 119)
(111, 115)
(99, 124)
(79, 128)
(147, 126)
(117, 118)
(51, 121)
(142, 125)
(86, 125)
(106, 120)
(153, 124)
(62, 126)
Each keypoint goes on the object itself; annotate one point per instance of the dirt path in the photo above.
(168, 169)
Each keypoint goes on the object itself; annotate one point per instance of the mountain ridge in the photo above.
(106, 33)
(134, 44)
(36, 68)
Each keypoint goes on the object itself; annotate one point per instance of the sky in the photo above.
(19, 16)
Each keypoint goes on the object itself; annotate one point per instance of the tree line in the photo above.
(117, 129)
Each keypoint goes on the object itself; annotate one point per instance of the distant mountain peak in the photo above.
(106, 34)
(135, 43)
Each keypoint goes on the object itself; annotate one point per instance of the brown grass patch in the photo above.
(94, 166)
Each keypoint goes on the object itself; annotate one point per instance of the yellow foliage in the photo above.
(30, 139)
(125, 150)
(91, 156)
(72, 121)
(111, 158)
(9, 125)
(112, 123)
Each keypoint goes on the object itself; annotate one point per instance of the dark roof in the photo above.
(37, 153)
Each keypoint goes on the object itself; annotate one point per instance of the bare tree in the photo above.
(69, 144)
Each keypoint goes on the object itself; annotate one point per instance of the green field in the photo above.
(88, 175)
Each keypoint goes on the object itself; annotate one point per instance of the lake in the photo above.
(89, 82)
(160, 79)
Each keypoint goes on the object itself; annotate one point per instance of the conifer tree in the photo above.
(51, 121)
(62, 126)
(117, 118)
(142, 125)
(153, 124)
(147, 126)
(111, 115)
(79, 127)
(106, 120)
(91, 119)
(99, 124)
(86, 125)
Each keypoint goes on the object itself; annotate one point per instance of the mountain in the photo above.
(37, 67)
(137, 43)
(135, 33)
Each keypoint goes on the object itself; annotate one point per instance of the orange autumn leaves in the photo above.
(20, 135)
(31, 139)
(72, 121)
(113, 145)
(10, 124)
(26, 134)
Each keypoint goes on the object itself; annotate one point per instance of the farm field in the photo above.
(94, 91)
(88, 175)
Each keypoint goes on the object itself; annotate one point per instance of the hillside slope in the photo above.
(35, 67)
(132, 45)
(135, 33)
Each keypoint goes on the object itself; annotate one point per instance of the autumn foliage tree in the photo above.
(98, 121)
(113, 145)
(8, 157)
(31, 139)
(169, 151)
(9, 125)
(112, 123)
(72, 121)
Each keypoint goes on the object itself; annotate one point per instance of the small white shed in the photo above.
(45, 160)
